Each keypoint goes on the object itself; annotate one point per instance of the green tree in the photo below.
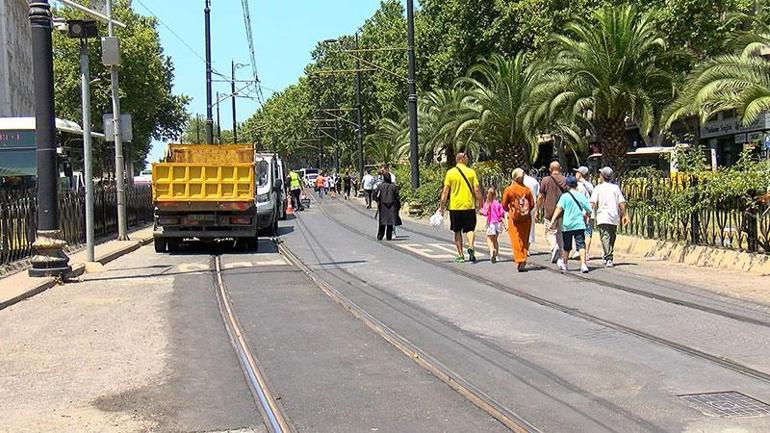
(500, 93)
(609, 69)
(146, 80)
(388, 142)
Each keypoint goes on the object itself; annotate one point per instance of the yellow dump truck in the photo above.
(205, 192)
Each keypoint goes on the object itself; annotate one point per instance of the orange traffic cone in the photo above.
(290, 207)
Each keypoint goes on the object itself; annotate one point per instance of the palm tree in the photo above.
(739, 81)
(386, 144)
(607, 70)
(499, 92)
(441, 114)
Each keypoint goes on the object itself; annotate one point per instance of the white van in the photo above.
(271, 194)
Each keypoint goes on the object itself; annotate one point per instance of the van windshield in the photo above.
(263, 173)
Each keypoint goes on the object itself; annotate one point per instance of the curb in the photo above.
(78, 269)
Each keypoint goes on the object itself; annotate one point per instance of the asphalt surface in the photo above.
(565, 370)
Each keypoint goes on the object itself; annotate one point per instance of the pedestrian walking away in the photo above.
(534, 186)
(610, 206)
(495, 214)
(295, 186)
(388, 205)
(573, 210)
(368, 182)
(347, 184)
(320, 185)
(586, 188)
(551, 189)
(331, 186)
(463, 195)
(519, 202)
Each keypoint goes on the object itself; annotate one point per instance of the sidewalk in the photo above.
(750, 286)
(19, 286)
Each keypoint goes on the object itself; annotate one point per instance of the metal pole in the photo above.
(412, 98)
(50, 258)
(219, 123)
(197, 129)
(209, 120)
(85, 88)
(360, 117)
(232, 89)
(120, 185)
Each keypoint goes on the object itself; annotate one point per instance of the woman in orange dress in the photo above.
(518, 203)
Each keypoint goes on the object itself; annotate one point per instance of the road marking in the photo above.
(425, 252)
(238, 265)
(193, 267)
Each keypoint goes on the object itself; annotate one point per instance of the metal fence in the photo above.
(730, 222)
(18, 221)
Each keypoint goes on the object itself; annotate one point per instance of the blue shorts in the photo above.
(589, 229)
(580, 240)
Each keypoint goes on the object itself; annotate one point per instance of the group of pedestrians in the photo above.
(334, 184)
(572, 206)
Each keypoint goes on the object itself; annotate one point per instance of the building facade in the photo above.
(17, 96)
(727, 138)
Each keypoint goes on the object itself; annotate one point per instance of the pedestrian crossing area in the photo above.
(442, 251)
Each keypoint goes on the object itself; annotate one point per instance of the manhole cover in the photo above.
(727, 404)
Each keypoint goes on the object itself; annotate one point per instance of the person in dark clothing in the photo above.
(347, 184)
(388, 205)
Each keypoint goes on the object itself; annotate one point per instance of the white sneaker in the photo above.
(584, 269)
(562, 266)
(609, 264)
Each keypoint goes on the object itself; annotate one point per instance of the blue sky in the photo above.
(285, 31)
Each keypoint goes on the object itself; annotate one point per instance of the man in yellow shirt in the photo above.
(461, 188)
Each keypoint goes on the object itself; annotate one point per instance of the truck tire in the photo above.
(160, 245)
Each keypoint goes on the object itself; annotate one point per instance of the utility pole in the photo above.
(412, 98)
(197, 128)
(232, 90)
(85, 88)
(209, 120)
(219, 124)
(49, 246)
(360, 117)
(120, 181)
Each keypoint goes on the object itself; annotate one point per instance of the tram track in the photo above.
(721, 361)
(613, 285)
(267, 404)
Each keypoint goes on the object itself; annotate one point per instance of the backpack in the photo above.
(521, 209)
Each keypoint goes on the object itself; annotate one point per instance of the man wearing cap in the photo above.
(573, 210)
(610, 206)
(586, 188)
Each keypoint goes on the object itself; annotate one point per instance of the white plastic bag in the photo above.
(437, 220)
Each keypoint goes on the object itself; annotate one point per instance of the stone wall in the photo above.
(16, 85)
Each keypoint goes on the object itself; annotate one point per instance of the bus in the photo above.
(18, 161)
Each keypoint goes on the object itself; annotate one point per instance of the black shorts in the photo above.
(578, 235)
(462, 220)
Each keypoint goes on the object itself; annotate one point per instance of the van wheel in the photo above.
(160, 245)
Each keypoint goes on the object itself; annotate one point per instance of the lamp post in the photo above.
(120, 181)
(412, 98)
(219, 124)
(83, 30)
(359, 117)
(49, 247)
(233, 95)
(209, 114)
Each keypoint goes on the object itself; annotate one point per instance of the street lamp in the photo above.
(234, 94)
(50, 259)
(412, 98)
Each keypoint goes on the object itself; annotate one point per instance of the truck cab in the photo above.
(271, 194)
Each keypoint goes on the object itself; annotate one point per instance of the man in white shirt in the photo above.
(369, 184)
(586, 188)
(534, 186)
(610, 206)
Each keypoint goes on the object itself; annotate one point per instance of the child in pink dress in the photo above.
(495, 214)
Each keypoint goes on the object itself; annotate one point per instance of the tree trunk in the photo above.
(449, 152)
(614, 144)
(513, 156)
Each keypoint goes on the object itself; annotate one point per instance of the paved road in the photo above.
(568, 354)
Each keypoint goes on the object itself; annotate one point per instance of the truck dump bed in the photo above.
(205, 176)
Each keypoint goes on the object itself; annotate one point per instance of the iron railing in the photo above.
(18, 222)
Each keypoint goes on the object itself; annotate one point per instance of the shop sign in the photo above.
(719, 128)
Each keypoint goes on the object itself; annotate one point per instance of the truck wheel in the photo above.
(173, 245)
(160, 245)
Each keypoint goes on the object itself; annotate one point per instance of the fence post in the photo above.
(694, 217)
(750, 225)
(650, 223)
